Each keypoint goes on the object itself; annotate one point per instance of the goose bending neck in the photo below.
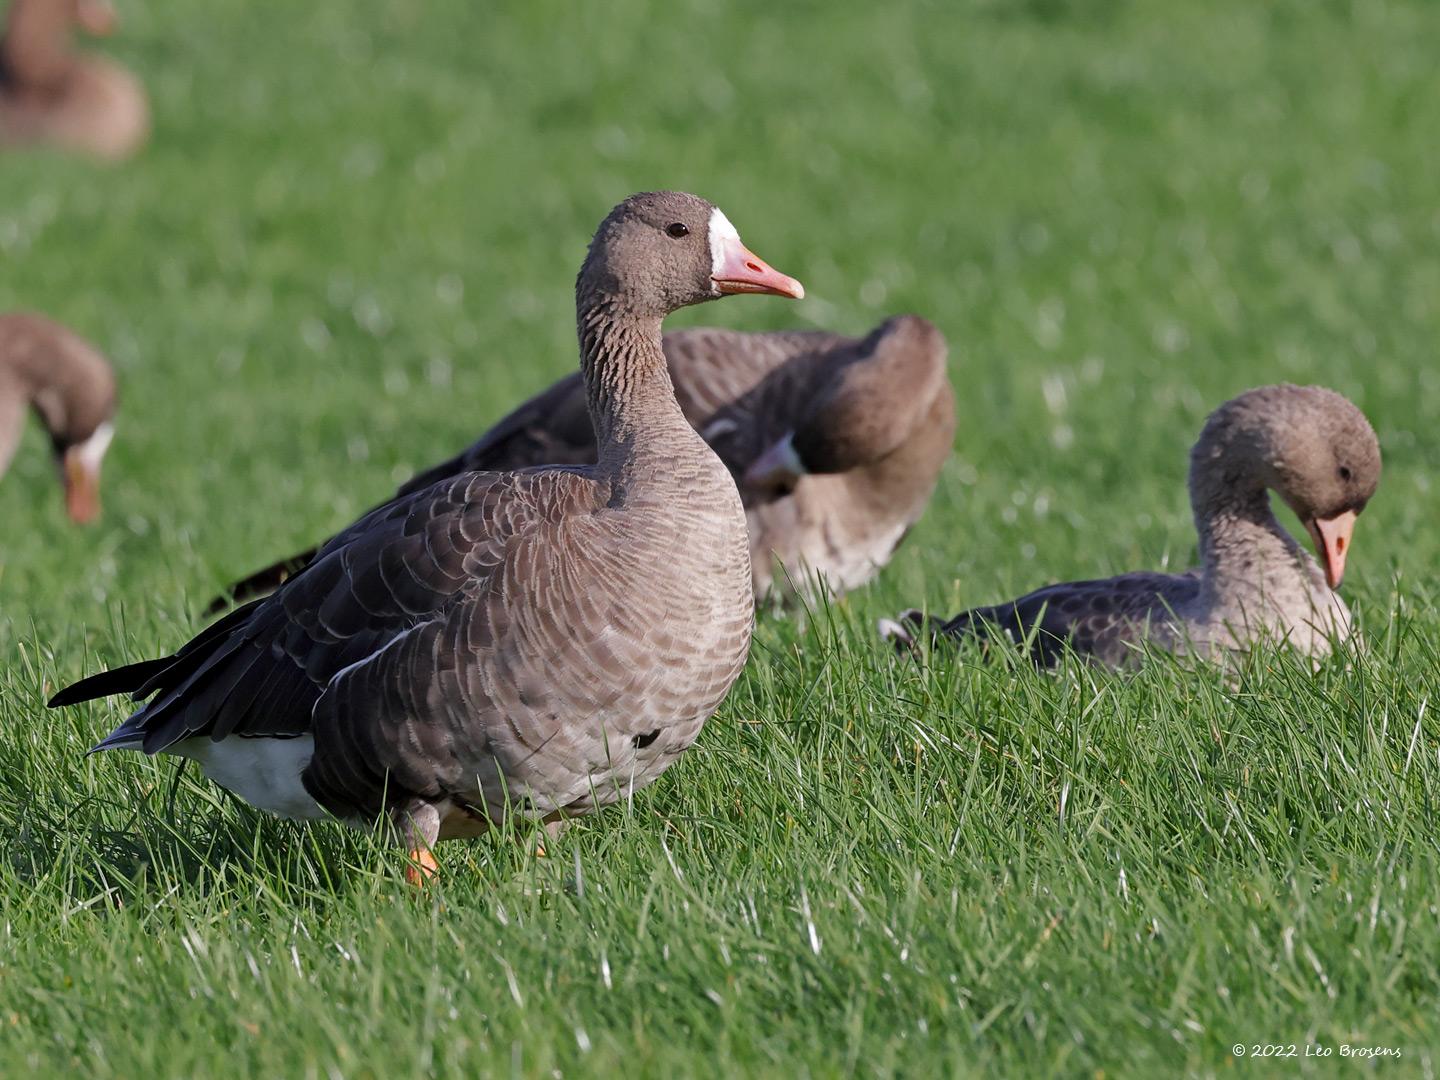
(627, 381)
(1242, 544)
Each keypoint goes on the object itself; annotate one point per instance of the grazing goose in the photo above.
(70, 386)
(538, 643)
(51, 94)
(1310, 446)
(836, 443)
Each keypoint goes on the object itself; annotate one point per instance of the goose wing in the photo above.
(405, 566)
(1104, 619)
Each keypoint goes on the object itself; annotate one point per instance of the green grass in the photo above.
(351, 246)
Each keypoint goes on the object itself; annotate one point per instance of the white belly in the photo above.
(263, 772)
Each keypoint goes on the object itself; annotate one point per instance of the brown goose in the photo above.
(51, 94)
(536, 643)
(1310, 446)
(836, 443)
(70, 386)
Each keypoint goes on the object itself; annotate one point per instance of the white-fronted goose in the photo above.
(69, 384)
(836, 443)
(51, 94)
(536, 643)
(1310, 446)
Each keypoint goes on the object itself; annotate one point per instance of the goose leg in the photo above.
(553, 829)
(419, 824)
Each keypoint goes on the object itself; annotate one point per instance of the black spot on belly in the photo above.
(642, 741)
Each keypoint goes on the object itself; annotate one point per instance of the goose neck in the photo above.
(627, 382)
(1243, 548)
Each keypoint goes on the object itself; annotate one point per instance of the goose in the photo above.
(46, 367)
(1310, 446)
(836, 443)
(51, 94)
(501, 646)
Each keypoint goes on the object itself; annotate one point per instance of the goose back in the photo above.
(743, 392)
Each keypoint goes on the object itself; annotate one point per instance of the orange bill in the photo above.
(82, 487)
(1332, 543)
(739, 270)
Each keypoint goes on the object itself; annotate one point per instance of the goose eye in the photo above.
(677, 230)
(1344, 472)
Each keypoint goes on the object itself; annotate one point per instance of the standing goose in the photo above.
(51, 94)
(1310, 446)
(538, 643)
(836, 443)
(69, 384)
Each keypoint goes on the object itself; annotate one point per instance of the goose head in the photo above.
(71, 388)
(77, 416)
(1309, 445)
(663, 250)
(79, 460)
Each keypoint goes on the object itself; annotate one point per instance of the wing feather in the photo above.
(1104, 619)
(387, 582)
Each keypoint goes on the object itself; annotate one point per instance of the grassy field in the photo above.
(352, 245)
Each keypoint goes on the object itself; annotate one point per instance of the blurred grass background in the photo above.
(351, 245)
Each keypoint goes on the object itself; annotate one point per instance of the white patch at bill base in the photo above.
(722, 235)
(91, 452)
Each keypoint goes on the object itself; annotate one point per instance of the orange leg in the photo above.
(553, 829)
(419, 827)
(423, 868)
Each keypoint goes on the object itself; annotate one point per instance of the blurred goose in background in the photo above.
(69, 384)
(534, 644)
(1310, 446)
(51, 94)
(836, 443)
